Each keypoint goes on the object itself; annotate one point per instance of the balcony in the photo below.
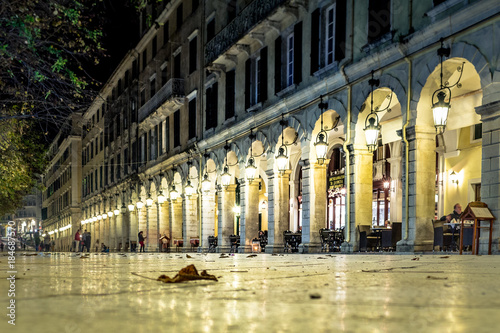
(246, 20)
(171, 95)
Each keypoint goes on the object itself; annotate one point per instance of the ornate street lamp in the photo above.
(225, 177)
(372, 124)
(442, 106)
(139, 204)
(282, 157)
(321, 143)
(251, 169)
(173, 193)
(205, 183)
(161, 198)
(149, 201)
(189, 189)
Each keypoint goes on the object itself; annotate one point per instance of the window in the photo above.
(211, 111)
(164, 77)
(379, 19)
(177, 66)
(152, 86)
(230, 93)
(101, 141)
(179, 17)
(231, 10)
(118, 166)
(96, 180)
(289, 60)
(478, 131)
(100, 176)
(143, 97)
(154, 46)
(330, 34)
(144, 58)
(165, 33)
(142, 149)
(177, 130)
(211, 29)
(166, 135)
(195, 5)
(126, 161)
(192, 55)
(192, 118)
(112, 171)
(256, 79)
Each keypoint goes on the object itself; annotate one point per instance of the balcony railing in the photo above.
(173, 88)
(246, 20)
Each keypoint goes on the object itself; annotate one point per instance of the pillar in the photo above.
(274, 238)
(152, 229)
(165, 220)
(317, 206)
(226, 218)
(134, 227)
(249, 220)
(125, 229)
(490, 171)
(422, 177)
(361, 177)
(396, 195)
(190, 226)
(177, 218)
(142, 224)
(281, 212)
(208, 218)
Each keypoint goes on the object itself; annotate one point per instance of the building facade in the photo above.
(231, 117)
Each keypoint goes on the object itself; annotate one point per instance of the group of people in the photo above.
(82, 241)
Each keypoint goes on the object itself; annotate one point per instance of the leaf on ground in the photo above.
(188, 256)
(444, 257)
(188, 273)
(321, 258)
(315, 296)
(436, 278)
(416, 258)
(251, 256)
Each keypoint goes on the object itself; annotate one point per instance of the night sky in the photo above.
(121, 33)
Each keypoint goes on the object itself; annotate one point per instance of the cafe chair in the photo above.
(441, 239)
(234, 240)
(396, 233)
(324, 236)
(467, 234)
(386, 240)
(212, 244)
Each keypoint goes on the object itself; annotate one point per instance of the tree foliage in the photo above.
(45, 46)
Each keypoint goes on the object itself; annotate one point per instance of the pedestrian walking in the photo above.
(52, 244)
(84, 240)
(87, 241)
(77, 240)
(1, 246)
(141, 241)
(46, 243)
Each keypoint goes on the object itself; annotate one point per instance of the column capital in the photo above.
(489, 111)
(285, 174)
(230, 188)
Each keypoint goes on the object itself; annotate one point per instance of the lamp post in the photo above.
(372, 124)
(282, 157)
(321, 143)
(441, 107)
(251, 169)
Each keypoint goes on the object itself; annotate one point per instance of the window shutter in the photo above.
(340, 30)
(277, 65)
(248, 75)
(263, 74)
(297, 50)
(315, 17)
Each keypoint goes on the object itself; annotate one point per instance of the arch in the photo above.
(427, 64)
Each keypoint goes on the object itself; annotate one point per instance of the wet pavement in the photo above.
(263, 293)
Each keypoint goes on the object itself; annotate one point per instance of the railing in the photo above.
(246, 20)
(173, 88)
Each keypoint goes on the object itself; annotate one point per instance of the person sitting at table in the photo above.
(387, 224)
(457, 211)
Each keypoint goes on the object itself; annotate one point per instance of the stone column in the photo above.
(134, 227)
(422, 177)
(249, 222)
(152, 230)
(165, 220)
(125, 229)
(207, 218)
(317, 182)
(274, 238)
(142, 225)
(490, 172)
(361, 168)
(306, 202)
(396, 190)
(177, 218)
(226, 218)
(190, 226)
(281, 212)
(112, 233)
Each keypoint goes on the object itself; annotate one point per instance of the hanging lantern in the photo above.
(173, 193)
(189, 189)
(205, 183)
(251, 169)
(104, 216)
(321, 146)
(225, 177)
(131, 206)
(282, 159)
(139, 204)
(116, 211)
(110, 213)
(372, 131)
(440, 110)
(161, 198)
(149, 201)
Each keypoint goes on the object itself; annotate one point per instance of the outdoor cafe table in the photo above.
(377, 231)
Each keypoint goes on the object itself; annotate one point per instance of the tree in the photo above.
(45, 46)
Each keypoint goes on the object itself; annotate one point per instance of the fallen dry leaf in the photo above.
(251, 256)
(444, 257)
(415, 259)
(188, 273)
(436, 278)
(188, 256)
